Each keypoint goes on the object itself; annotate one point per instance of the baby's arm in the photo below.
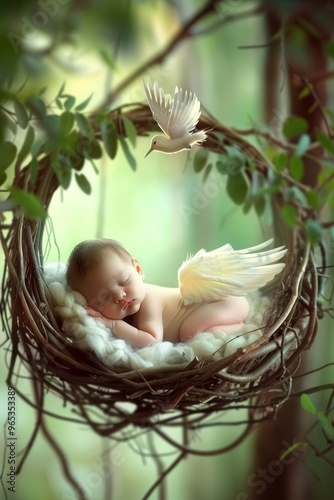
(150, 327)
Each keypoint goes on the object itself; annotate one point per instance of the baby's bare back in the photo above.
(180, 321)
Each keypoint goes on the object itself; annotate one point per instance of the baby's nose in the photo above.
(119, 296)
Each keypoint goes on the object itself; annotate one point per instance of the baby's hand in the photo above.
(109, 323)
(93, 312)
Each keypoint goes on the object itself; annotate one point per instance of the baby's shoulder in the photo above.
(161, 292)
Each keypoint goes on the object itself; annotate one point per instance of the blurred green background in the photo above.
(152, 211)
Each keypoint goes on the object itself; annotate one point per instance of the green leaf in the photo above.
(66, 122)
(37, 106)
(295, 193)
(130, 130)
(59, 103)
(8, 123)
(236, 160)
(292, 448)
(84, 125)
(258, 190)
(61, 90)
(302, 145)
(247, 205)
(29, 203)
(326, 423)
(200, 159)
(27, 144)
(96, 170)
(83, 183)
(83, 104)
(294, 126)
(21, 114)
(62, 170)
(326, 142)
(237, 188)
(130, 158)
(296, 167)
(33, 169)
(69, 102)
(290, 215)
(260, 205)
(251, 164)
(52, 123)
(280, 161)
(307, 404)
(109, 136)
(3, 178)
(36, 147)
(314, 199)
(221, 166)
(8, 152)
(313, 231)
(305, 91)
(73, 159)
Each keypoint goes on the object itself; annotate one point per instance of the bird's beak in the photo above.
(148, 152)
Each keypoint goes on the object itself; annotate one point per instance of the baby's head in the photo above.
(107, 276)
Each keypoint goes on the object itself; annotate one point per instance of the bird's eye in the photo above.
(154, 142)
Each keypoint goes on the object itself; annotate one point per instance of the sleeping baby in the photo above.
(112, 282)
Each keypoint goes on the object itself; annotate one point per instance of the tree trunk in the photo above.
(270, 479)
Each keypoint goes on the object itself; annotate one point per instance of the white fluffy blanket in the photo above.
(89, 333)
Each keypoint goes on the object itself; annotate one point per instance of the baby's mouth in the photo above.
(127, 304)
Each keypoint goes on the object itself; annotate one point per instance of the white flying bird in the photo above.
(212, 275)
(176, 117)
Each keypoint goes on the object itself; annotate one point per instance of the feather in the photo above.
(175, 116)
(212, 275)
(160, 104)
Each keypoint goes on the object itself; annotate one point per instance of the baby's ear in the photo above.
(136, 265)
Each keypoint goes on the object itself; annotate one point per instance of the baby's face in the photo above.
(116, 287)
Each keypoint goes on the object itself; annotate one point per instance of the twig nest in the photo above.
(74, 356)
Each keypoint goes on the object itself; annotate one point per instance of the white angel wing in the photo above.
(185, 113)
(224, 271)
(160, 104)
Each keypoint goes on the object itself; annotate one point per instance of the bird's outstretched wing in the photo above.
(184, 115)
(160, 104)
(176, 116)
(224, 271)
